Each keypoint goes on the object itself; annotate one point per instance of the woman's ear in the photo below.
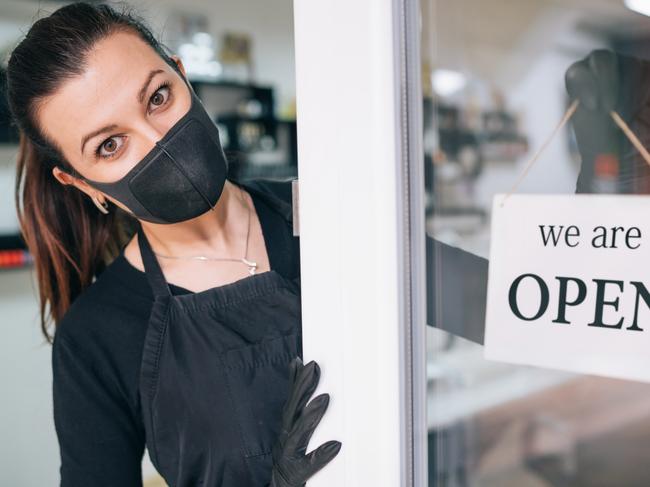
(179, 63)
(66, 178)
(62, 176)
(97, 196)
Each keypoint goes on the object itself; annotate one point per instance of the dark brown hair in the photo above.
(69, 239)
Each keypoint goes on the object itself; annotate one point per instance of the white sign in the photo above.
(569, 283)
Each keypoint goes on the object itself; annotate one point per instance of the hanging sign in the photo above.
(569, 283)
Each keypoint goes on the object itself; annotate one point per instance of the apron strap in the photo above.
(284, 208)
(152, 268)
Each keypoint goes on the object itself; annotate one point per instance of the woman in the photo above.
(174, 289)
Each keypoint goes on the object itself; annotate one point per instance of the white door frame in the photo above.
(362, 234)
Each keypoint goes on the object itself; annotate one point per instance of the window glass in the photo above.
(497, 78)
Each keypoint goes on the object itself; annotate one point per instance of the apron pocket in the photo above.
(258, 381)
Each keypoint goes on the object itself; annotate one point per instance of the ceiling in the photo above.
(493, 39)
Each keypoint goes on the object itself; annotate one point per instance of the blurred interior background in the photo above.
(239, 57)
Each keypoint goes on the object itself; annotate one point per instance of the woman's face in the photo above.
(105, 120)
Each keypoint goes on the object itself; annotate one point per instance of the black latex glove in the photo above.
(605, 81)
(292, 466)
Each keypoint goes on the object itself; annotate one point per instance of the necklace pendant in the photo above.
(252, 266)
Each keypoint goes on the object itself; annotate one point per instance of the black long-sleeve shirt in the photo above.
(98, 344)
(96, 357)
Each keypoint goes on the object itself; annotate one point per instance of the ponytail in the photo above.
(69, 239)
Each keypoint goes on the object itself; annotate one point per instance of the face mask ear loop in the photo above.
(180, 168)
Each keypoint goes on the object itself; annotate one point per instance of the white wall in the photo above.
(270, 24)
(28, 449)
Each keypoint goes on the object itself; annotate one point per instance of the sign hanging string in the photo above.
(634, 140)
(631, 136)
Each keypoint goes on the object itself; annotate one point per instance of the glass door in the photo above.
(497, 77)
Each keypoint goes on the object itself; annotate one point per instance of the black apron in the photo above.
(214, 372)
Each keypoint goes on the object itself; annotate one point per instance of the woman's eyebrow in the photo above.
(145, 85)
(140, 98)
(95, 133)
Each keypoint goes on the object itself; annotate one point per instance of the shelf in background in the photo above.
(13, 252)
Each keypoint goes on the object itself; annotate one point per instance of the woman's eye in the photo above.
(160, 96)
(109, 147)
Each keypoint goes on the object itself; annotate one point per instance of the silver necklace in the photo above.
(252, 266)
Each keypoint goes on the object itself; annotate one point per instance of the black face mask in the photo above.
(183, 175)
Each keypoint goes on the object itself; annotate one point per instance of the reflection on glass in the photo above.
(497, 77)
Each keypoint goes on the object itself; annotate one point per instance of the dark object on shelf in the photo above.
(499, 122)
(459, 144)
(232, 92)
(264, 146)
(13, 252)
(501, 140)
(256, 142)
(498, 139)
(12, 242)
(466, 150)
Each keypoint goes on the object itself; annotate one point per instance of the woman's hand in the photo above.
(594, 81)
(605, 81)
(292, 466)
